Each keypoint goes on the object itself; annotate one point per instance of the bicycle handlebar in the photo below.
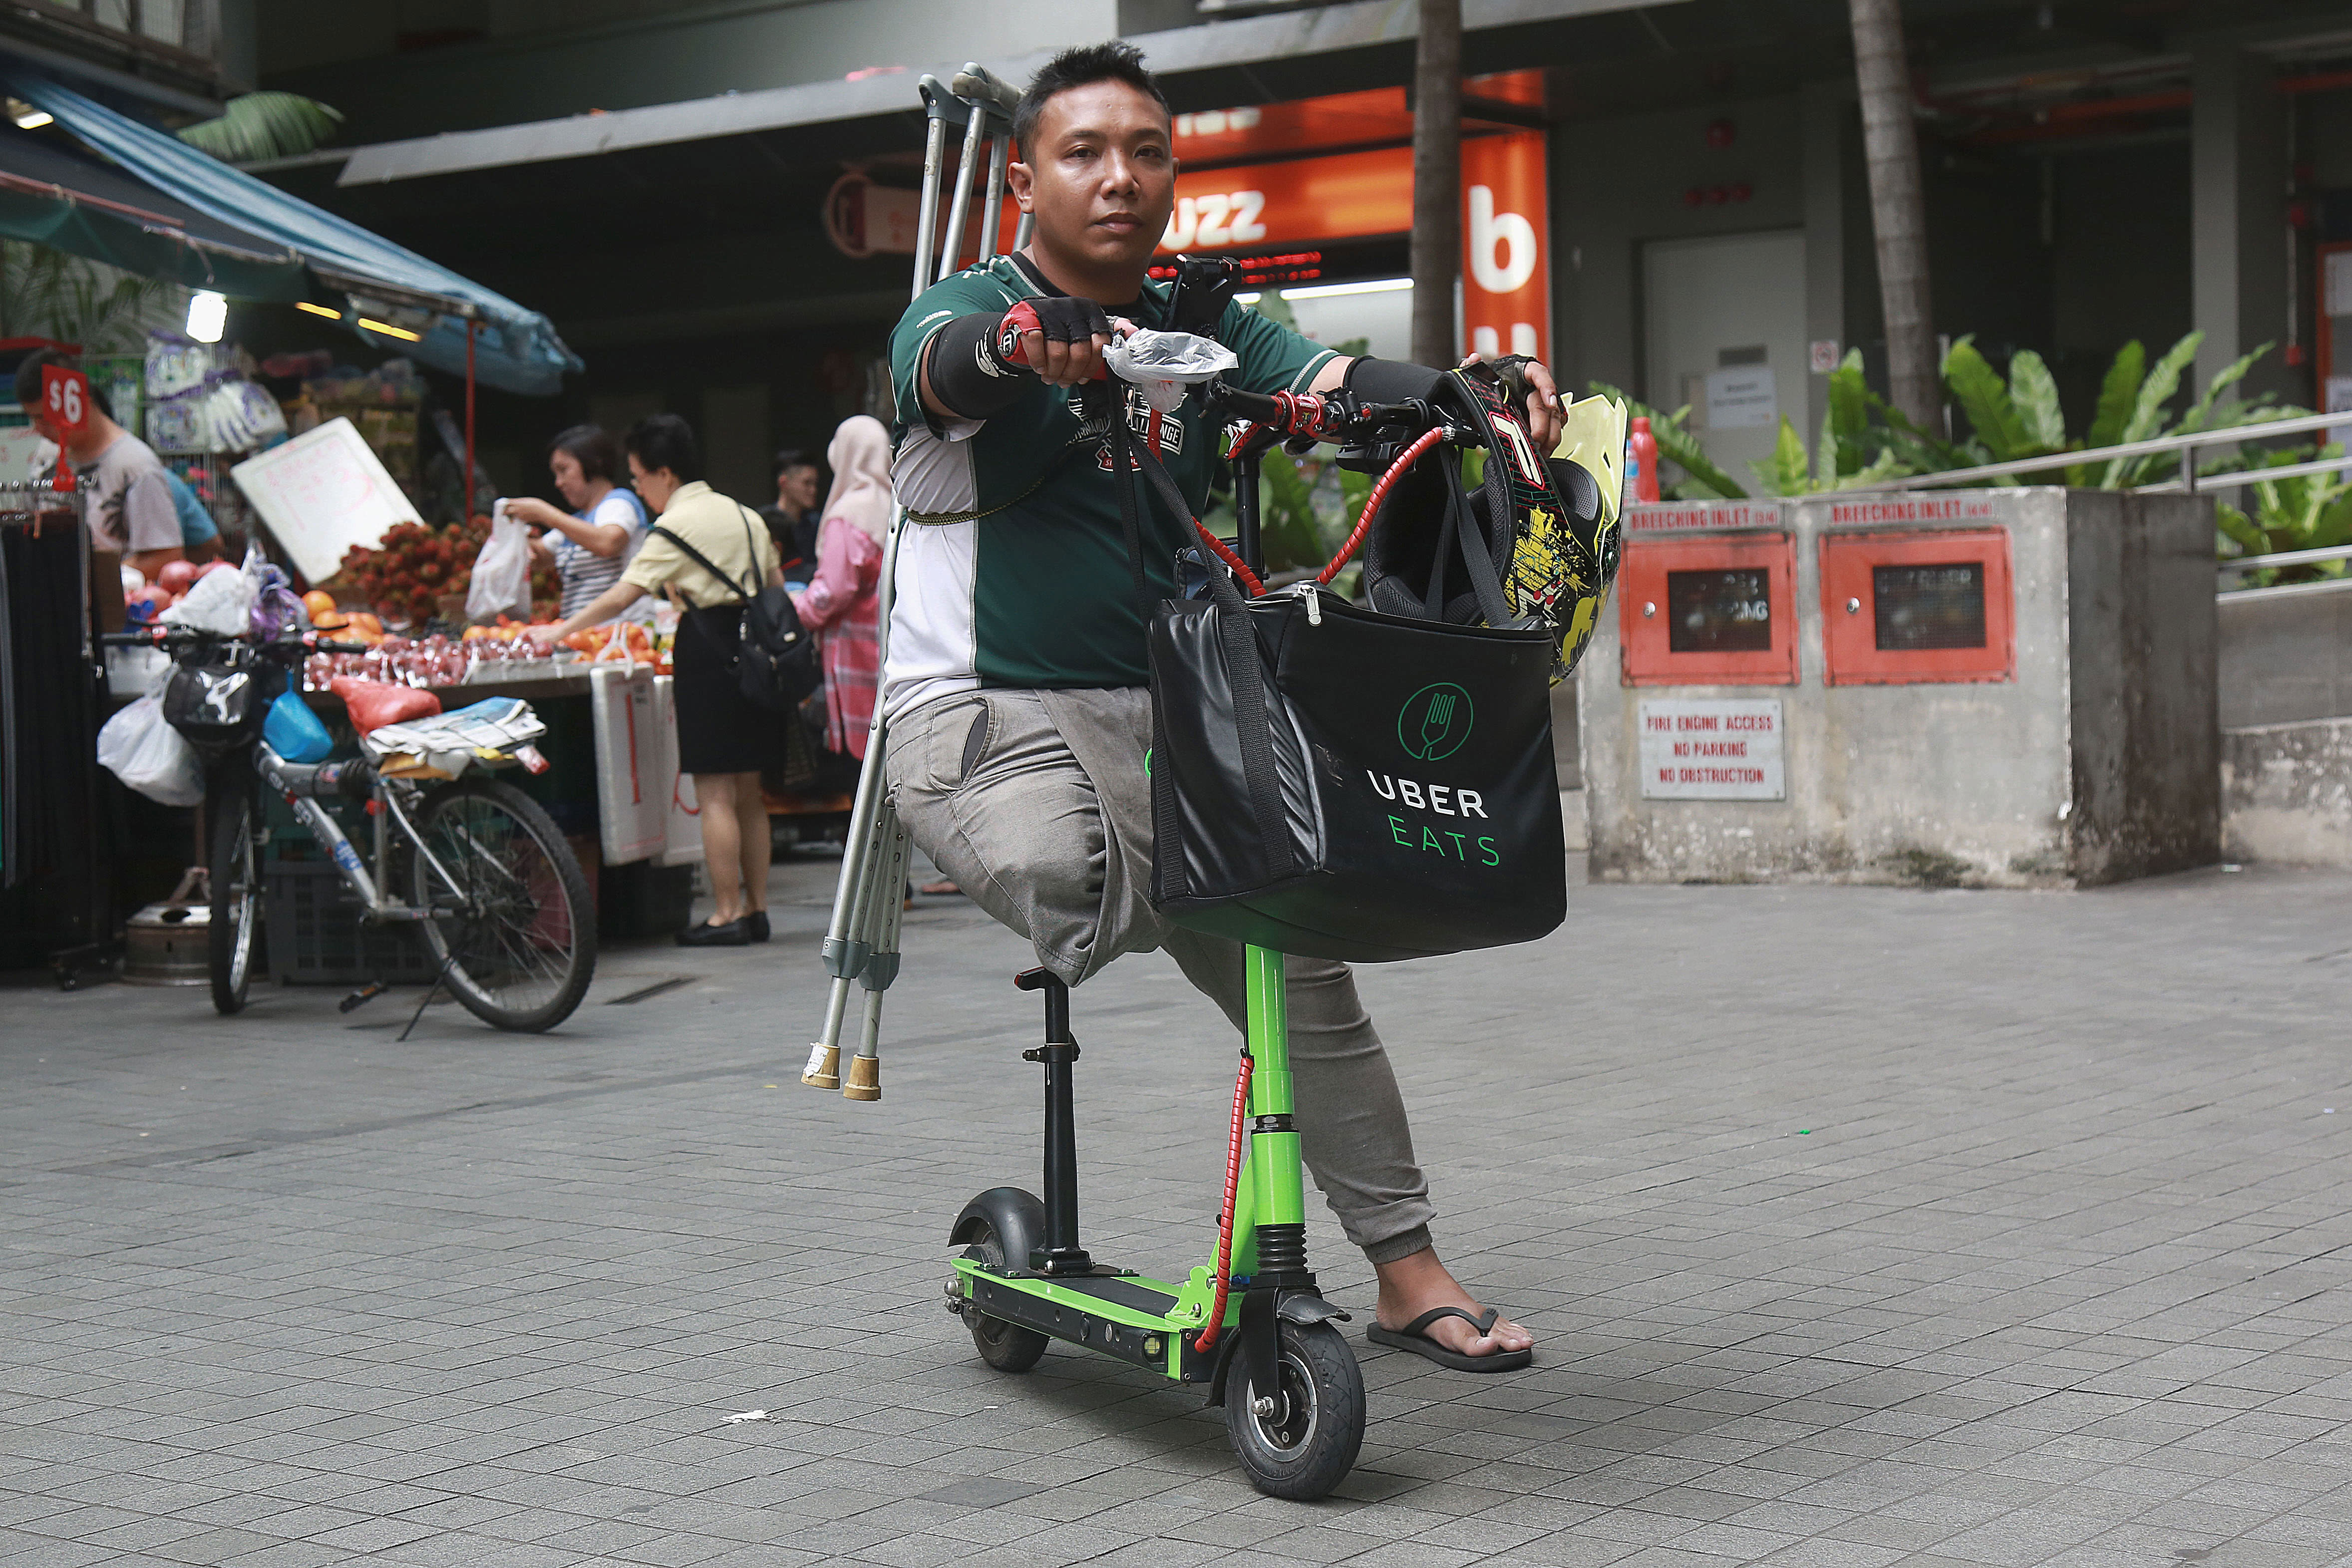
(181, 637)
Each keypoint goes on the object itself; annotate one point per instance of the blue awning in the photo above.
(515, 349)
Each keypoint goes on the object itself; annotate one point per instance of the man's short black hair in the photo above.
(1081, 67)
(28, 374)
(793, 457)
(662, 441)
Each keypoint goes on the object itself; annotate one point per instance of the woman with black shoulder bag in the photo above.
(709, 554)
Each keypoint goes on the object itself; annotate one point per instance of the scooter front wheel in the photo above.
(1008, 1347)
(1300, 1438)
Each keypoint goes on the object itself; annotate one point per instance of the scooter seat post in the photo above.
(1061, 1254)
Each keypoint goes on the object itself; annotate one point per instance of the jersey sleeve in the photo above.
(965, 294)
(1273, 357)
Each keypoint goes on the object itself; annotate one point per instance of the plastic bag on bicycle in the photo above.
(219, 708)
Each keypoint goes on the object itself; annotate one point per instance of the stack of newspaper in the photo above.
(443, 747)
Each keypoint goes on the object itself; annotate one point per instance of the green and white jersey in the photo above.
(1013, 567)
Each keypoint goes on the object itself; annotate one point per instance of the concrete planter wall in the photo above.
(2286, 673)
(2096, 759)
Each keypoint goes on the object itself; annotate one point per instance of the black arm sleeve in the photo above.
(1389, 380)
(966, 375)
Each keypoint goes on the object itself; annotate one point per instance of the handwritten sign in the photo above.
(1711, 749)
(322, 493)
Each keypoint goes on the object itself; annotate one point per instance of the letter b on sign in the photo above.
(1502, 244)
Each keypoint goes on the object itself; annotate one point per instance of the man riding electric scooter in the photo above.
(1017, 684)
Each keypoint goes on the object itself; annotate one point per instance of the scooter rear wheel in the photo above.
(1008, 1347)
(1300, 1439)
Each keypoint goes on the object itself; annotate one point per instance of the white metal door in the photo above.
(1726, 335)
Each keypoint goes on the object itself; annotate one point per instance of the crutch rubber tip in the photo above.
(824, 1069)
(865, 1079)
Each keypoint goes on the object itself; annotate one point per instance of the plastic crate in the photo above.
(314, 936)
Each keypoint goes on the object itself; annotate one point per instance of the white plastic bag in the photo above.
(1161, 365)
(149, 756)
(221, 602)
(501, 578)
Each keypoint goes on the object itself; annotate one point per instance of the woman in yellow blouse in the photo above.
(722, 738)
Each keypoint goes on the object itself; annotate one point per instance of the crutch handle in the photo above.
(976, 84)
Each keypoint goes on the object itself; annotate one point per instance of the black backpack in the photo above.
(216, 708)
(775, 658)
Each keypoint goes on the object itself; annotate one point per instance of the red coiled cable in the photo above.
(1224, 552)
(1225, 1219)
(1427, 439)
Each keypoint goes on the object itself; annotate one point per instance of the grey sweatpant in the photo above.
(1036, 803)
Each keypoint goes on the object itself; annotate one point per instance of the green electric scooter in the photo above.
(1251, 1325)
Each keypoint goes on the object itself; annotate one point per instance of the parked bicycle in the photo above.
(471, 863)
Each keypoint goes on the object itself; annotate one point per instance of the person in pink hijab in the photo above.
(840, 602)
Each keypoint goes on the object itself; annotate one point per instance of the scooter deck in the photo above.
(1134, 1319)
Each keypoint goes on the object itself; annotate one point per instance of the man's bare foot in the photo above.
(1412, 1284)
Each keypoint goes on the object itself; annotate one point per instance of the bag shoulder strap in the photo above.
(701, 559)
(1244, 659)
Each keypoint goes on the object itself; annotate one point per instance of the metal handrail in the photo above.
(2236, 479)
(2156, 446)
(2286, 558)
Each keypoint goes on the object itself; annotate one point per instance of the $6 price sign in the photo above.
(65, 398)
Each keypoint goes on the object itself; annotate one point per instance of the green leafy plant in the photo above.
(2021, 419)
(46, 293)
(1702, 480)
(264, 125)
(2312, 511)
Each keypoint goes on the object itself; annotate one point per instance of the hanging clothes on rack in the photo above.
(55, 881)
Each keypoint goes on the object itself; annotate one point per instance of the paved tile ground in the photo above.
(1861, 1227)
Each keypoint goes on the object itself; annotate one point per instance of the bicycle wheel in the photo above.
(510, 923)
(234, 870)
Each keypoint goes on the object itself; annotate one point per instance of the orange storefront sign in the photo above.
(1505, 246)
(1341, 197)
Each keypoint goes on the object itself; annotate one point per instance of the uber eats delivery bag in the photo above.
(1341, 784)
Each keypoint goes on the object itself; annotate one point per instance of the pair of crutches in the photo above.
(861, 943)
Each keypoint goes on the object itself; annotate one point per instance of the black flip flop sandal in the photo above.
(1412, 1338)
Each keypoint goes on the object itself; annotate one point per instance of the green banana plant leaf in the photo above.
(2033, 392)
(2117, 392)
(1884, 466)
(2148, 408)
(1986, 403)
(1784, 473)
(2241, 530)
(1287, 531)
(264, 125)
(1846, 418)
(1355, 489)
(2202, 410)
(1679, 447)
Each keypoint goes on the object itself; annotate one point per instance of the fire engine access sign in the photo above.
(1711, 749)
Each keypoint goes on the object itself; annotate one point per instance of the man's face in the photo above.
(1101, 178)
(797, 491)
(41, 426)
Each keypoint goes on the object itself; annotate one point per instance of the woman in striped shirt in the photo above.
(590, 546)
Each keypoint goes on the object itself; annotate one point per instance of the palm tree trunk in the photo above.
(1436, 181)
(1898, 211)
